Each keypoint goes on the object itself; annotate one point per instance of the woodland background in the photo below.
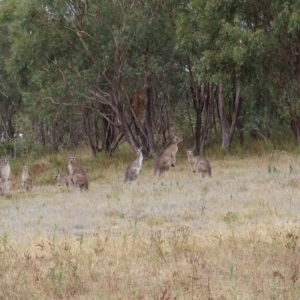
(98, 73)
(90, 75)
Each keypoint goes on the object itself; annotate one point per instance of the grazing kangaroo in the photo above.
(66, 178)
(199, 164)
(135, 167)
(167, 157)
(78, 175)
(26, 180)
(5, 174)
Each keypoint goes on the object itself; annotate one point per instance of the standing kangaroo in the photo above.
(167, 157)
(78, 175)
(199, 164)
(135, 167)
(5, 174)
(5, 168)
(26, 183)
(66, 178)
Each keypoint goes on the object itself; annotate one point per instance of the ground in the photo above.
(232, 236)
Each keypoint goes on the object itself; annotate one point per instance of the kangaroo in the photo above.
(78, 175)
(167, 157)
(66, 178)
(5, 174)
(26, 180)
(199, 164)
(5, 168)
(135, 167)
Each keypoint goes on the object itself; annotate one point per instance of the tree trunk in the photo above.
(295, 119)
(295, 125)
(57, 134)
(124, 126)
(92, 130)
(240, 128)
(227, 128)
(208, 117)
(148, 119)
(197, 91)
(223, 120)
(141, 106)
(42, 134)
(149, 107)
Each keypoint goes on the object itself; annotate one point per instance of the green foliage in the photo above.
(25, 143)
(56, 54)
(243, 49)
(57, 162)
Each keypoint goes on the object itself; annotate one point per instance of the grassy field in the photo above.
(234, 236)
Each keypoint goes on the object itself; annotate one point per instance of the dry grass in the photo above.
(235, 236)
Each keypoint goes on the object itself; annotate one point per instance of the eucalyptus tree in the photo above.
(271, 43)
(51, 66)
(10, 98)
(29, 47)
(211, 34)
(282, 61)
(159, 64)
(94, 58)
(250, 51)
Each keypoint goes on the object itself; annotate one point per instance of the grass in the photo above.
(235, 236)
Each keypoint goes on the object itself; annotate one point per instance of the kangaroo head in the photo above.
(5, 160)
(189, 152)
(175, 139)
(25, 168)
(72, 159)
(57, 175)
(138, 151)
